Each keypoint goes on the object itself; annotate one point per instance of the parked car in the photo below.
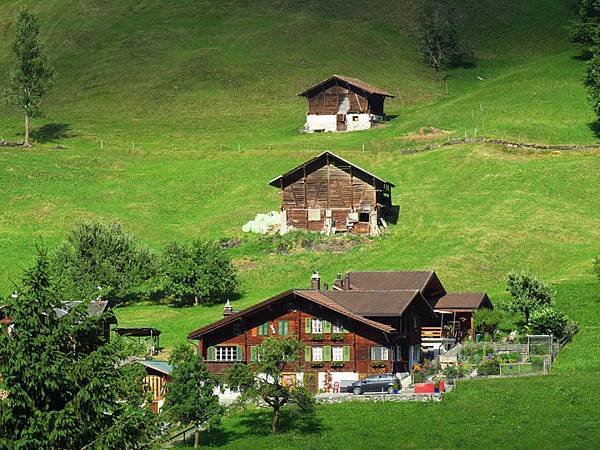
(375, 383)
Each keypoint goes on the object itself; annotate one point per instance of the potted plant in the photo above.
(317, 337)
(397, 386)
(337, 336)
(337, 364)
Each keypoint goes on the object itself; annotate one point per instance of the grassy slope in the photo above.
(181, 78)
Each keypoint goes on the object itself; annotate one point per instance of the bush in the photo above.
(105, 256)
(454, 371)
(528, 293)
(512, 357)
(549, 320)
(490, 366)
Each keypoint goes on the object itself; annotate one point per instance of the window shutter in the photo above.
(346, 353)
(373, 354)
(326, 326)
(210, 353)
(327, 353)
(307, 353)
(253, 353)
(239, 353)
(280, 327)
(307, 325)
(286, 330)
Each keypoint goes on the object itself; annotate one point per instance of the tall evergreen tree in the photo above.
(585, 30)
(31, 78)
(65, 386)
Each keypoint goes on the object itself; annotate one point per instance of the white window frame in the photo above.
(226, 353)
(337, 327)
(380, 354)
(317, 354)
(337, 354)
(316, 326)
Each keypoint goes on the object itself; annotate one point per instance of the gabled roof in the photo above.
(383, 281)
(317, 297)
(463, 301)
(94, 308)
(363, 86)
(375, 303)
(160, 366)
(326, 156)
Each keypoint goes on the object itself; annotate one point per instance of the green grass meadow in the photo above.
(172, 115)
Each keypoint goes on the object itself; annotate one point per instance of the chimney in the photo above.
(228, 309)
(346, 282)
(315, 281)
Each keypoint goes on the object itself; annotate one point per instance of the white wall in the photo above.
(328, 122)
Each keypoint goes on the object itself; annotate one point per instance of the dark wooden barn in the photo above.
(342, 103)
(330, 194)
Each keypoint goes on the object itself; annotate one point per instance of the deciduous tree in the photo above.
(262, 379)
(191, 394)
(527, 293)
(31, 77)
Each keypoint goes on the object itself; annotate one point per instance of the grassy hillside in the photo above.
(172, 116)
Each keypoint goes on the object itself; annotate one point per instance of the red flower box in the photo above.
(424, 388)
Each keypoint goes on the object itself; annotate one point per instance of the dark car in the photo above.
(375, 383)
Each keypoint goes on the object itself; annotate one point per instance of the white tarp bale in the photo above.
(263, 223)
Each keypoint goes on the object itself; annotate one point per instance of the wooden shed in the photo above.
(342, 103)
(330, 194)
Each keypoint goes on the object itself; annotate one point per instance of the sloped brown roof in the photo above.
(314, 296)
(324, 156)
(465, 301)
(384, 281)
(374, 303)
(360, 84)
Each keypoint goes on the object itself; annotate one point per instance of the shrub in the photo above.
(455, 371)
(490, 366)
(549, 320)
(512, 357)
(487, 320)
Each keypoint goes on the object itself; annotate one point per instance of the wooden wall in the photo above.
(329, 100)
(358, 337)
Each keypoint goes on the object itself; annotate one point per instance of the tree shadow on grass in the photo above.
(51, 132)
(595, 127)
(257, 423)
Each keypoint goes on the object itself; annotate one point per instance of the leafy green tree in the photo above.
(487, 320)
(262, 380)
(103, 259)
(199, 272)
(549, 320)
(528, 293)
(585, 29)
(190, 395)
(32, 76)
(65, 387)
(438, 38)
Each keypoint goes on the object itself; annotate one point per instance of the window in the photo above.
(263, 330)
(225, 353)
(379, 354)
(317, 353)
(337, 353)
(337, 327)
(317, 326)
(363, 217)
(354, 118)
(283, 327)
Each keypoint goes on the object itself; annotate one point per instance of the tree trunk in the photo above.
(196, 300)
(196, 439)
(26, 139)
(276, 417)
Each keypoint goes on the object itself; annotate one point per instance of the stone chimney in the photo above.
(228, 309)
(346, 282)
(315, 281)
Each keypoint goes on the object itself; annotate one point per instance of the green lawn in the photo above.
(172, 115)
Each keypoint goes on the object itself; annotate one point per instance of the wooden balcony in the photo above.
(431, 333)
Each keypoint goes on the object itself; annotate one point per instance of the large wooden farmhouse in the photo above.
(343, 104)
(370, 322)
(330, 194)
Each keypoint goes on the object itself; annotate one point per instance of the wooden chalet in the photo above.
(342, 103)
(330, 194)
(348, 332)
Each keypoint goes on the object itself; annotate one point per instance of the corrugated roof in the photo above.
(274, 181)
(383, 281)
(374, 303)
(360, 84)
(463, 301)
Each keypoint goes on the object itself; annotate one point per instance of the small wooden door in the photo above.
(341, 122)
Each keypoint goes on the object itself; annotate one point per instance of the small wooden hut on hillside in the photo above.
(330, 194)
(342, 103)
